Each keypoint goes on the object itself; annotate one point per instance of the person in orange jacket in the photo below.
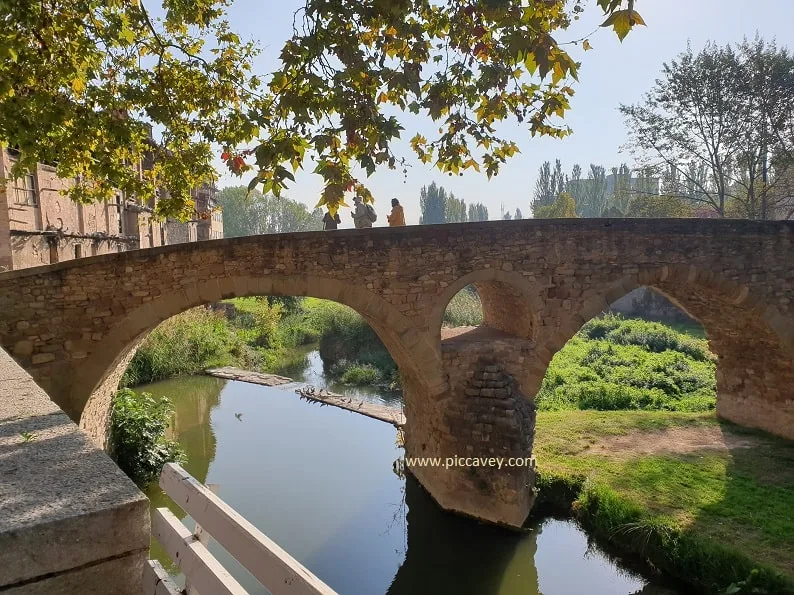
(397, 216)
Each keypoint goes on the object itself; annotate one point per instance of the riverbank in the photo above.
(702, 500)
(264, 335)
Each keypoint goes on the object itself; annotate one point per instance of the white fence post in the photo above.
(204, 539)
(278, 572)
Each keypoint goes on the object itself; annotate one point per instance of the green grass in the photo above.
(706, 516)
(618, 364)
(464, 309)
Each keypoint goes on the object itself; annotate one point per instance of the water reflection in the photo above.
(447, 553)
(309, 368)
(319, 482)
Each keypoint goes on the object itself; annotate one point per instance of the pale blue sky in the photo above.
(611, 73)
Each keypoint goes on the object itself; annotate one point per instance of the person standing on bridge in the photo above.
(363, 215)
(397, 216)
(331, 222)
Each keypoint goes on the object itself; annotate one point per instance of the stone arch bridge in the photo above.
(74, 325)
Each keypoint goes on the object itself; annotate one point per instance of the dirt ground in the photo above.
(676, 440)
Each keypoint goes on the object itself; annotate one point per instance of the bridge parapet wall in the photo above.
(70, 520)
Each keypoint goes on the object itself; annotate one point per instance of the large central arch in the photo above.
(96, 380)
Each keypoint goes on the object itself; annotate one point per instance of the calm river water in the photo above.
(319, 481)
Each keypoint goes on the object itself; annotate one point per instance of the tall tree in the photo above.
(433, 203)
(97, 74)
(455, 210)
(563, 207)
(593, 193)
(247, 214)
(545, 188)
(549, 185)
(558, 179)
(478, 212)
(646, 182)
(715, 120)
(574, 187)
(622, 188)
(519, 214)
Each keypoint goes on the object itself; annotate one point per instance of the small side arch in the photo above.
(510, 302)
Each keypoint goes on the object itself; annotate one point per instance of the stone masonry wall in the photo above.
(70, 520)
(69, 324)
(485, 414)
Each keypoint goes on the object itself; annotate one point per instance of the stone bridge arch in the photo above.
(71, 324)
(96, 379)
(754, 342)
(510, 303)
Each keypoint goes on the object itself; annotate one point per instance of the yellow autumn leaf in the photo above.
(78, 85)
(586, 45)
(557, 74)
(622, 21)
(472, 163)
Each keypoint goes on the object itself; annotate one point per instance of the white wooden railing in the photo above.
(278, 572)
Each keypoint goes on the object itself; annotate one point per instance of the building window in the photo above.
(25, 189)
(78, 251)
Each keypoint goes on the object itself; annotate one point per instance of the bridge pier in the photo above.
(471, 448)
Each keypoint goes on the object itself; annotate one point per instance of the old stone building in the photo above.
(39, 225)
(208, 216)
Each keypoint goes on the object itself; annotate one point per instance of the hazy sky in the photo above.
(611, 73)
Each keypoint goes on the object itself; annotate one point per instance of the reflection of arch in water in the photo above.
(451, 554)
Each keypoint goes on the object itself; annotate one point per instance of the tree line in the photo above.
(254, 214)
(714, 137)
(437, 206)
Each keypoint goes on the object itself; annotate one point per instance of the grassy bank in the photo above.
(618, 364)
(704, 501)
(262, 334)
(464, 309)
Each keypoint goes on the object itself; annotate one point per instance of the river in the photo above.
(319, 481)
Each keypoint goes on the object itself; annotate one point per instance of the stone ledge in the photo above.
(120, 576)
(63, 503)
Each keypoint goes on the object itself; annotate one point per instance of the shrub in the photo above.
(296, 329)
(345, 335)
(187, 344)
(137, 435)
(360, 374)
(654, 336)
(259, 320)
